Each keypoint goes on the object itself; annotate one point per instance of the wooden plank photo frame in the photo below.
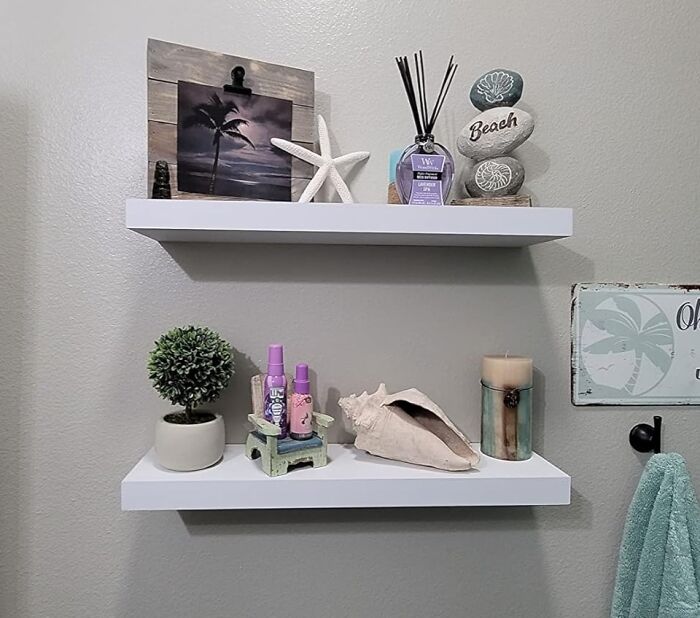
(169, 63)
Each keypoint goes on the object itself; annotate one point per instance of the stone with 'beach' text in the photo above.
(495, 132)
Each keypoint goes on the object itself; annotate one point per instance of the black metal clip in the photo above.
(645, 438)
(511, 398)
(236, 85)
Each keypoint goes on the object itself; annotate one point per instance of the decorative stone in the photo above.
(161, 181)
(495, 177)
(497, 88)
(495, 132)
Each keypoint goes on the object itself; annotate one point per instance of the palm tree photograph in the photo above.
(223, 144)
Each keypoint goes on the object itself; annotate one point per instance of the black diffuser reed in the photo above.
(419, 104)
(425, 171)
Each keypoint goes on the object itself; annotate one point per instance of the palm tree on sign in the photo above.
(627, 334)
(213, 116)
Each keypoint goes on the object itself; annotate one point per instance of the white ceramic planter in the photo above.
(189, 447)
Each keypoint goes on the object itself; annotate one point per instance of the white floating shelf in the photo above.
(346, 224)
(352, 479)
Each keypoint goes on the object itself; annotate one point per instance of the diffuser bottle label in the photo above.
(426, 187)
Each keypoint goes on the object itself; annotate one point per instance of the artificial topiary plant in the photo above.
(190, 366)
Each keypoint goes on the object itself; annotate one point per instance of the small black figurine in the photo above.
(161, 181)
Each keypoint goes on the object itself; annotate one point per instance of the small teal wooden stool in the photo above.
(276, 454)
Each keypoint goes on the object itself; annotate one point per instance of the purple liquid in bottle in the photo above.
(275, 390)
(424, 173)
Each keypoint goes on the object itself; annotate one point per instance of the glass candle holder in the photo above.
(424, 173)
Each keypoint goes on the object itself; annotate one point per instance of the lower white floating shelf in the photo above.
(352, 479)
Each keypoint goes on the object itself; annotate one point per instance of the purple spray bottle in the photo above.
(275, 390)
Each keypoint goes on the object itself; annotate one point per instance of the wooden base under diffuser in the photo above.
(506, 407)
(505, 200)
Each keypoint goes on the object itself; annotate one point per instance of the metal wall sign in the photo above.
(635, 344)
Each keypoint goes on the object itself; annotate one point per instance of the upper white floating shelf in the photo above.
(352, 479)
(346, 224)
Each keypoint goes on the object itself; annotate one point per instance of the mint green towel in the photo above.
(658, 575)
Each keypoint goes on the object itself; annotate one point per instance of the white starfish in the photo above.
(326, 164)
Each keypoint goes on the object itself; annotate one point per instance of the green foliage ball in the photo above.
(190, 366)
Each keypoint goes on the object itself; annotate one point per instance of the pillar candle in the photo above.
(506, 407)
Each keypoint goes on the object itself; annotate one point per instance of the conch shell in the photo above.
(407, 426)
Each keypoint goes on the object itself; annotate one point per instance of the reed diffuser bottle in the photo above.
(425, 171)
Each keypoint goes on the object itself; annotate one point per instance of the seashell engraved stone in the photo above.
(407, 426)
(497, 88)
(495, 132)
(495, 177)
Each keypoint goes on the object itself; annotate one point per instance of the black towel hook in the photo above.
(645, 438)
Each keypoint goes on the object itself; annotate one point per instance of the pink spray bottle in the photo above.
(301, 414)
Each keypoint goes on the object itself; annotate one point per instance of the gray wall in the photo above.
(614, 89)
